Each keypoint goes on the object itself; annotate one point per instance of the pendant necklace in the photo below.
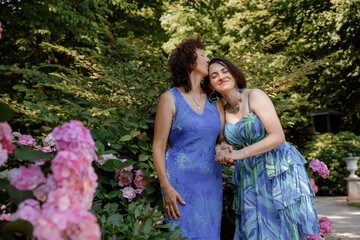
(232, 109)
(195, 101)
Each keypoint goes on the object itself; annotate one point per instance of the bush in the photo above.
(331, 148)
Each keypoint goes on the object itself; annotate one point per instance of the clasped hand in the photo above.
(223, 153)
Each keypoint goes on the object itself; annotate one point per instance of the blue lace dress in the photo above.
(273, 199)
(192, 171)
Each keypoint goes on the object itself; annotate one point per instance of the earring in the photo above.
(213, 97)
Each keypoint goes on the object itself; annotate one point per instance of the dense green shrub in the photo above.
(331, 148)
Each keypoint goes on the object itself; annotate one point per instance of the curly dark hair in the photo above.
(235, 72)
(183, 60)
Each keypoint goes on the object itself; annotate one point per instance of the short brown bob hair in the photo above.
(182, 61)
(235, 72)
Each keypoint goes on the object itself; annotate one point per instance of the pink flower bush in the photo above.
(313, 237)
(140, 180)
(129, 193)
(325, 225)
(320, 167)
(67, 193)
(26, 140)
(315, 188)
(26, 178)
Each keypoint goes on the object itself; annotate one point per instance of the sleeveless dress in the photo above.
(192, 170)
(273, 196)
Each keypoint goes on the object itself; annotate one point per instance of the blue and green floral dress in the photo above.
(273, 198)
(192, 170)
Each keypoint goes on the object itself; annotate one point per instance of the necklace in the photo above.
(232, 109)
(198, 104)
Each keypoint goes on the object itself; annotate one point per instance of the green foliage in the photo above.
(139, 222)
(331, 148)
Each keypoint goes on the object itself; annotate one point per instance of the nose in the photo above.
(207, 59)
(221, 75)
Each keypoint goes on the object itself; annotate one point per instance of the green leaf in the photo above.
(19, 226)
(125, 138)
(113, 194)
(111, 165)
(143, 157)
(150, 188)
(146, 209)
(6, 112)
(31, 155)
(136, 229)
(18, 196)
(143, 144)
(100, 146)
(176, 233)
(147, 226)
(111, 208)
(167, 225)
(143, 165)
(115, 219)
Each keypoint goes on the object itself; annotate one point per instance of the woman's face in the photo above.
(220, 78)
(202, 63)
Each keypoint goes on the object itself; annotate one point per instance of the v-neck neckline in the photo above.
(206, 100)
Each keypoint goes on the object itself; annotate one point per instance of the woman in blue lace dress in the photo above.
(273, 198)
(190, 178)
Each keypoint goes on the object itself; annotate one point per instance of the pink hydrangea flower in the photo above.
(26, 140)
(3, 155)
(73, 135)
(313, 237)
(42, 191)
(45, 229)
(6, 137)
(104, 158)
(325, 225)
(85, 227)
(139, 190)
(128, 193)
(45, 149)
(140, 180)
(26, 178)
(4, 216)
(319, 167)
(49, 140)
(129, 168)
(28, 210)
(315, 188)
(124, 180)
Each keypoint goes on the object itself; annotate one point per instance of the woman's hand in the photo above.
(171, 197)
(223, 146)
(225, 156)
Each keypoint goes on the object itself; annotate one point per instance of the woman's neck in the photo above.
(195, 82)
(232, 97)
